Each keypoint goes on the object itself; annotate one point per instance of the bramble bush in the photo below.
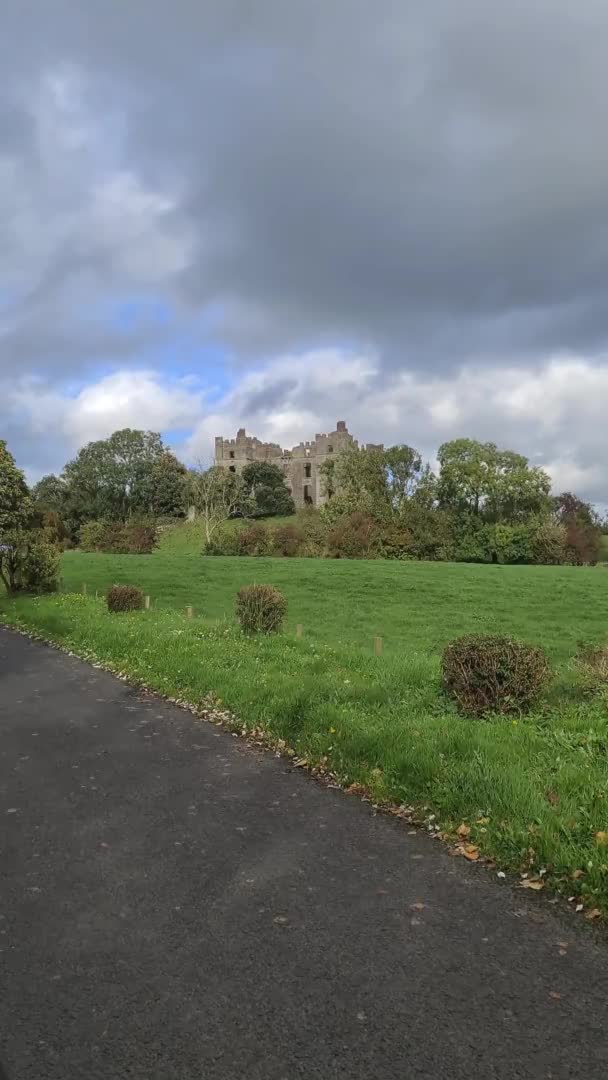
(486, 674)
(255, 540)
(118, 538)
(287, 540)
(354, 536)
(260, 609)
(124, 598)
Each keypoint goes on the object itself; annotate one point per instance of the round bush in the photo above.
(124, 598)
(494, 674)
(260, 609)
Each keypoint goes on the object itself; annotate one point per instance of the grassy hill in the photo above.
(412, 605)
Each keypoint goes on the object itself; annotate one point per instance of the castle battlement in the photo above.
(300, 465)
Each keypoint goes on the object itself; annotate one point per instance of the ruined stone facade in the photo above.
(301, 465)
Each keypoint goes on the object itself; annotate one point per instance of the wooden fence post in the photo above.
(84, 588)
(299, 630)
(190, 612)
(377, 646)
(147, 603)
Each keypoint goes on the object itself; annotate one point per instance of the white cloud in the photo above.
(552, 413)
(140, 399)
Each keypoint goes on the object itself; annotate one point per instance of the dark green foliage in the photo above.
(15, 502)
(28, 563)
(266, 492)
(430, 531)
(116, 538)
(169, 484)
(492, 673)
(124, 598)
(114, 478)
(260, 609)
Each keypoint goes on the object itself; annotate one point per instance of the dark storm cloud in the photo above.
(423, 183)
(431, 179)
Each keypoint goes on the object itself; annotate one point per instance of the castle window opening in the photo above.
(307, 471)
(232, 468)
(307, 495)
(232, 453)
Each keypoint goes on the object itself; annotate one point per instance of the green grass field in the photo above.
(413, 606)
(533, 790)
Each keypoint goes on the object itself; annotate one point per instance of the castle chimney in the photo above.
(341, 425)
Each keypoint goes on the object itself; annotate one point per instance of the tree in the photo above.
(406, 475)
(216, 495)
(50, 494)
(169, 483)
(15, 501)
(265, 487)
(26, 561)
(113, 478)
(498, 485)
(582, 527)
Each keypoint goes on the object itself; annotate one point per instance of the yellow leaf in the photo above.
(601, 837)
(471, 852)
(528, 883)
(578, 874)
(464, 831)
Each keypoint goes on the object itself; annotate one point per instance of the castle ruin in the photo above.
(300, 466)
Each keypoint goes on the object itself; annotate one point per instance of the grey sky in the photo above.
(423, 184)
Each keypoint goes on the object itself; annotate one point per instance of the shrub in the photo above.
(583, 544)
(287, 540)
(507, 543)
(592, 664)
(260, 608)
(91, 535)
(117, 538)
(494, 674)
(141, 537)
(28, 563)
(255, 540)
(395, 542)
(225, 541)
(124, 598)
(548, 543)
(354, 536)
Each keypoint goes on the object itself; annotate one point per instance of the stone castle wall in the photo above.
(301, 465)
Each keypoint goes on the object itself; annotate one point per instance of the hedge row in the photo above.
(433, 535)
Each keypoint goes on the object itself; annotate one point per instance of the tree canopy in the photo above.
(265, 490)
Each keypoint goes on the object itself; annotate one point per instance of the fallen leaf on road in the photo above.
(595, 913)
(471, 852)
(464, 831)
(529, 883)
(418, 906)
(554, 994)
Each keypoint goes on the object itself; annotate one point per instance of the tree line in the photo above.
(483, 504)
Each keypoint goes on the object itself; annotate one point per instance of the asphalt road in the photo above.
(175, 904)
